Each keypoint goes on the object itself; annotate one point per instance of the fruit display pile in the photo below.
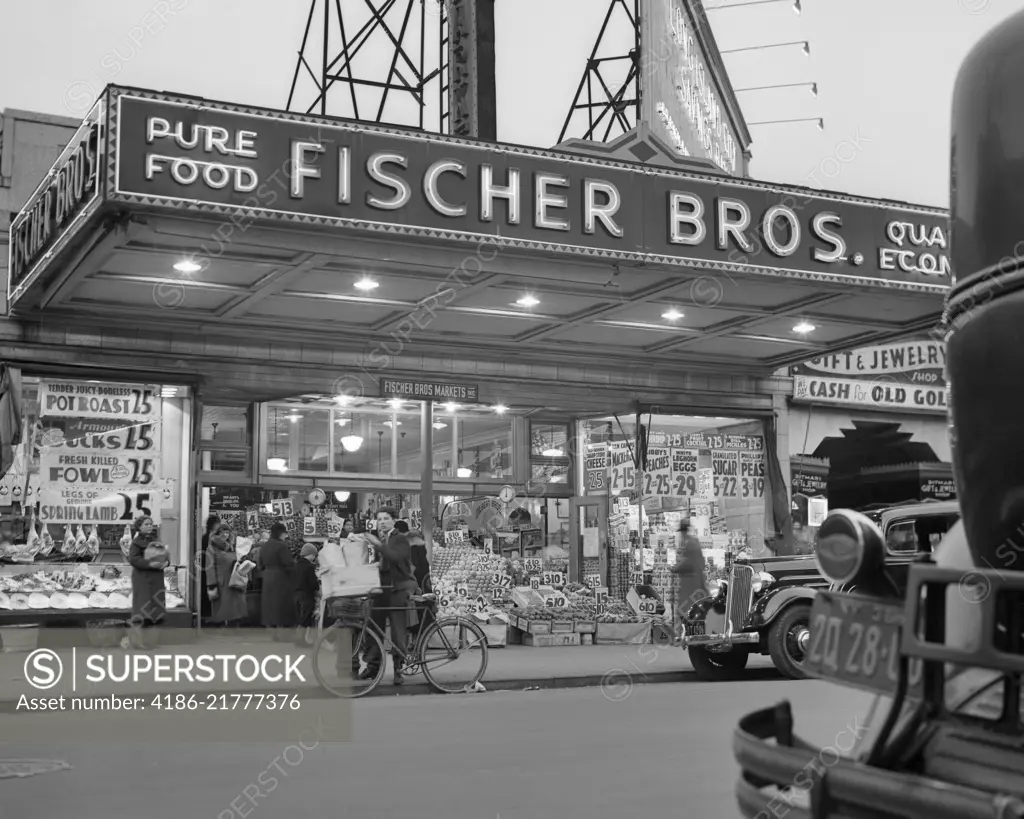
(581, 602)
(543, 614)
(619, 612)
(465, 565)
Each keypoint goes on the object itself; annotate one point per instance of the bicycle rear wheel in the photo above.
(454, 654)
(338, 659)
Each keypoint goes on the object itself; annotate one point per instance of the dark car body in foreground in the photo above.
(764, 606)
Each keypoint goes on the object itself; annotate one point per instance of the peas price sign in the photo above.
(909, 375)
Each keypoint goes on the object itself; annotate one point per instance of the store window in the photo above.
(550, 454)
(383, 437)
(226, 439)
(95, 455)
(711, 470)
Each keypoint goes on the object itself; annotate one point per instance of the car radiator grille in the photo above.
(741, 593)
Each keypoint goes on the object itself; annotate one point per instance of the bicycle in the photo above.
(437, 648)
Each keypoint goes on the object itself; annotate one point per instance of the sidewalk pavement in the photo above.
(616, 668)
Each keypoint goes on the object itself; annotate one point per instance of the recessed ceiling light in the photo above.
(672, 315)
(528, 301)
(395, 403)
(343, 399)
(188, 266)
(803, 328)
(451, 407)
(501, 409)
(366, 284)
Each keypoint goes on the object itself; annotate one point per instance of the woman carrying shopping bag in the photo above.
(225, 579)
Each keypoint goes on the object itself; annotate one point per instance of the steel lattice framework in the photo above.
(390, 55)
(607, 104)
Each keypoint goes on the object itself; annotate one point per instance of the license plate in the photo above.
(855, 641)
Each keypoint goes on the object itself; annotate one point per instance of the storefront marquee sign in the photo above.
(247, 164)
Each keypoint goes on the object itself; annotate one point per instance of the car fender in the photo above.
(773, 602)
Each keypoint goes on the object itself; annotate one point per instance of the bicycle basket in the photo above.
(348, 608)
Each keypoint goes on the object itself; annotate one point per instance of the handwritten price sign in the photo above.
(534, 565)
(592, 581)
(535, 583)
(462, 590)
(647, 607)
(501, 581)
(555, 601)
(453, 538)
(556, 579)
(282, 508)
(601, 598)
(636, 578)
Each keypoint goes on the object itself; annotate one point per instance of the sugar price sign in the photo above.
(534, 564)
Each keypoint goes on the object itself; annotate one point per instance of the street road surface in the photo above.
(653, 751)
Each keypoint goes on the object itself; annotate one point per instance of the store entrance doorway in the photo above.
(588, 539)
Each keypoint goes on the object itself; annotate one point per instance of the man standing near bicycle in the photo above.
(398, 580)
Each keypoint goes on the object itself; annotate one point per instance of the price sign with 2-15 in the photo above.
(534, 564)
(555, 601)
(556, 579)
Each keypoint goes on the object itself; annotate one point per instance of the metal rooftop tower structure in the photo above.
(607, 101)
(426, 64)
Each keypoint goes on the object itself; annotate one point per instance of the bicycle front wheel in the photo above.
(454, 654)
(339, 658)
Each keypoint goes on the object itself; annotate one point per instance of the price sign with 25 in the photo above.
(556, 579)
(534, 564)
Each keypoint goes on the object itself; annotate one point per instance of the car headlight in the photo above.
(763, 581)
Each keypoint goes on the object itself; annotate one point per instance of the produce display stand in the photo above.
(551, 640)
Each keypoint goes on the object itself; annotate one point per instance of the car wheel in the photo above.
(788, 639)
(717, 666)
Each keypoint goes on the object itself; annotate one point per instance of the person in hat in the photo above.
(307, 588)
(278, 603)
(690, 583)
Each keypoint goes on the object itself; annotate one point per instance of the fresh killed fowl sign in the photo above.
(415, 390)
(99, 456)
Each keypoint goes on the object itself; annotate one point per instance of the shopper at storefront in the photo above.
(148, 560)
(690, 585)
(278, 565)
(421, 567)
(307, 589)
(228, 606)
(398, 580)
(212, 523)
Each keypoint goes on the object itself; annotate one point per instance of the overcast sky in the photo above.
(885, 70)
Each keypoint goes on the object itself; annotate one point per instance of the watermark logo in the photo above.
(975, 7)
(974, 588)
(43, 669)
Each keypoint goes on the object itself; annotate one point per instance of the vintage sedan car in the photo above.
(765, 605)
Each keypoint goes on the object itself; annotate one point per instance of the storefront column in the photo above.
(427, 475)
(781, 406)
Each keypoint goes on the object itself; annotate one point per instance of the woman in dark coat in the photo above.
(205, 609)
(227, 604)
(691, 585)
(278, 564)
(148, 564)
